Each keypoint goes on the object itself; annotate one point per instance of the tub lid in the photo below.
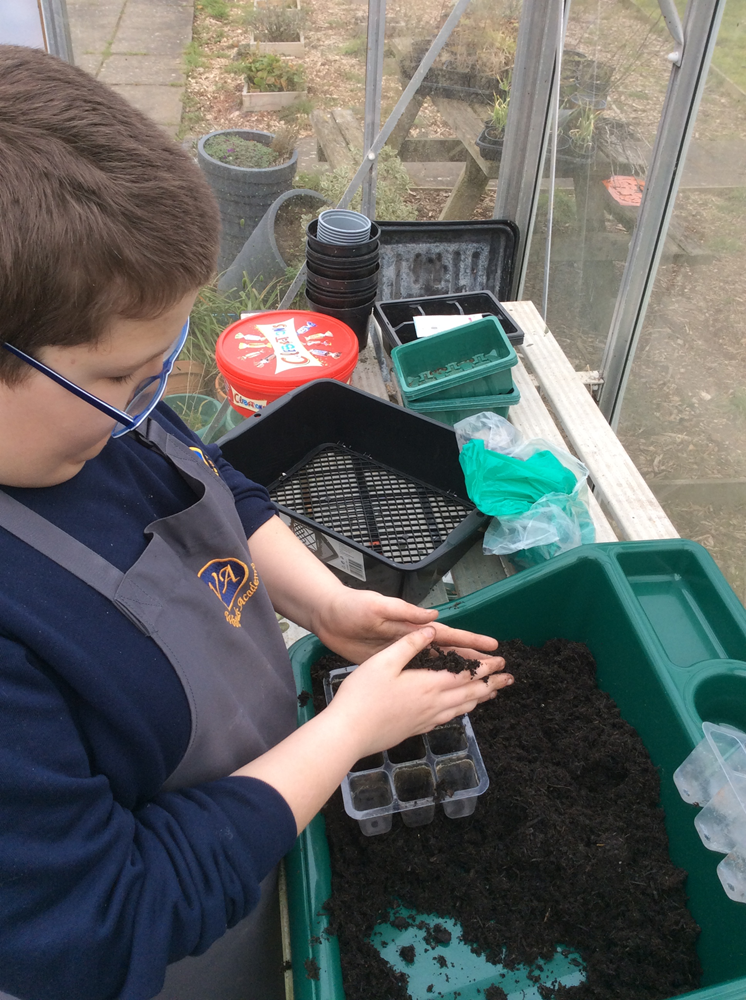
(285, 349)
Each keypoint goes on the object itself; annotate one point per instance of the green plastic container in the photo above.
(471, 360)
(669, 638)
(198, 411)
(450, 411)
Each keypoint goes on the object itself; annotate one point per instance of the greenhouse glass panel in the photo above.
(683, 419)
(613, 82)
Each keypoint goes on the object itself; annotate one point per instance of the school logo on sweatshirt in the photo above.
(206, 459)
(233, 583)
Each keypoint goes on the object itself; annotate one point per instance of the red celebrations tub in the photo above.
(266, 355)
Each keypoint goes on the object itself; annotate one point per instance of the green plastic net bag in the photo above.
(535, 491)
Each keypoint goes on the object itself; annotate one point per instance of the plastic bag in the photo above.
(536, 491)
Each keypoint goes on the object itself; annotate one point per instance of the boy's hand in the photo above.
(359, 623)
(383, 704)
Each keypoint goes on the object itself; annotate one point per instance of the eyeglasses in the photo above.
(147, 395)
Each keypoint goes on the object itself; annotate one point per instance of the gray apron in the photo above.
(242, 701)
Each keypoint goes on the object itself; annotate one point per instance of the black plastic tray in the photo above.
(444, 258)
(396, 318)
(374, 489)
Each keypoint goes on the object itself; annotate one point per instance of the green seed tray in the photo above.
(669, 639)
(450, 411)
(470, 360)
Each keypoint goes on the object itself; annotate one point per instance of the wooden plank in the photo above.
(330, 139)
(606, 246)
(404, 125)
(467, 125)
(466, 193)
(532, 418)
(618, 483)
(352, 131)
(432, 151)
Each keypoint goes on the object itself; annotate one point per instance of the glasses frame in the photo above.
(128, 421)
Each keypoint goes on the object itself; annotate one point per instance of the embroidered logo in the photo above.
(208, 461)
(233, 583)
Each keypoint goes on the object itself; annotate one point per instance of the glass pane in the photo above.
(451, 163)
(613, 83)
(684, 413)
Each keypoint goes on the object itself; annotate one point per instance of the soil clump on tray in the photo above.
(566, 848)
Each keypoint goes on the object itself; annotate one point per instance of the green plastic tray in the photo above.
(450, 411)
(470, 360)
(669, 638)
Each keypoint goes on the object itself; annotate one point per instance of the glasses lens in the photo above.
(149, 392)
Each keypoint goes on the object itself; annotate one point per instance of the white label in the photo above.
(248, 404)
(347, 559)
(426, 326)
(289, 351)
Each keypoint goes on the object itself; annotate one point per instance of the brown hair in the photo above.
(102, 214)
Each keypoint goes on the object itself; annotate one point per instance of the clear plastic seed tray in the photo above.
(442, 767)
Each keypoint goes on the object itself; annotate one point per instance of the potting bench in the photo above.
(557, 405)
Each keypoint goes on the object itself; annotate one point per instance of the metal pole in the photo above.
(401, 105)
(684, 94)
(527, 128)
(373, 88)
(57, 29)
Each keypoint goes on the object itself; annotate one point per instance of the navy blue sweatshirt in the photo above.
(104, 879)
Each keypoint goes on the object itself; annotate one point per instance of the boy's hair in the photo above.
(102, 215)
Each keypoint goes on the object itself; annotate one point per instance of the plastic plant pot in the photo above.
(333, 250)
(668, 636)
(343, 227)
(342, 300)
(362, 267)
(396, 317)
(374, 490)
(490, 143)
(343, 284)
(472, 360)
(354, 316)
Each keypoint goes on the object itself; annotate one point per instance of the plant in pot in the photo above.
(247, 170)
(582, 132)
(490, 141)
(277, 28)
(271, 82)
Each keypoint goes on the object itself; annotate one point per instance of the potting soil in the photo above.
(565, 855)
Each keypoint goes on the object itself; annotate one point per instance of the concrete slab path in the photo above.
(137, 48)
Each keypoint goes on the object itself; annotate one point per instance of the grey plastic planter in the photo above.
(260, 258)
(244, 193)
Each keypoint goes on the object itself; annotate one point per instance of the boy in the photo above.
(151, 774)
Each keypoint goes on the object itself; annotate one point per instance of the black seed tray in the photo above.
(374, 489)
(396, 317)
(420, 259)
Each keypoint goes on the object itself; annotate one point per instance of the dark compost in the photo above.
(567, 847)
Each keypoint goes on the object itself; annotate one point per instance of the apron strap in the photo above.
(60, 547)
(78, 559)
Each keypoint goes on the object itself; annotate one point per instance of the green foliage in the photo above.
(357, 46)
(193, 56)
(270, 73)
(391, 191)
(214, 311)
(275, 22)
(499, 113)
(583, 126)
(301, 106)
(239, 152)
(218, 9)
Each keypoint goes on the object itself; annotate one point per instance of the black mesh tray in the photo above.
(421, 259)
(375, 490)
(396, 318)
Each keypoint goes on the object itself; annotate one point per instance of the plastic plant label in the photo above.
(345, 558)
(426, 326)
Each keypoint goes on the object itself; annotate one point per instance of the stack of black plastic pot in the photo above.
(342, 278)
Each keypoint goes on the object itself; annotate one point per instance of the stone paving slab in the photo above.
(137, 48)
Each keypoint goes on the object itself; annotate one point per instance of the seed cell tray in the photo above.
(445, 258)
(376, 491)
(396, 318)
(442, 766)
(468, 361)
(669, 639)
